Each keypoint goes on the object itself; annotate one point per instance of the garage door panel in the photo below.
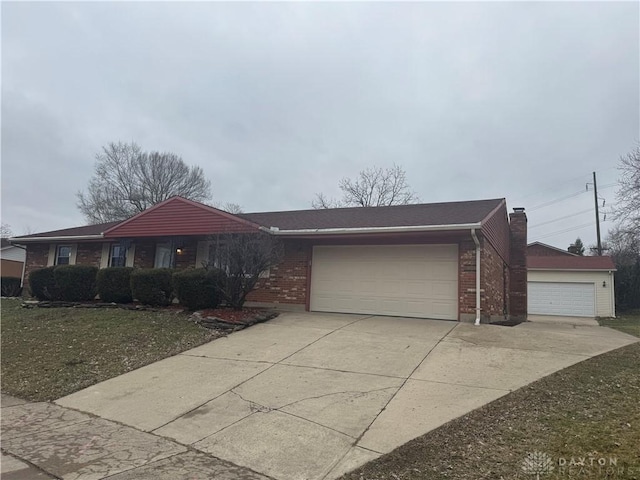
(558, 298)
(413, 280)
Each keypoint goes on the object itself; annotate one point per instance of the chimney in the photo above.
(518, 267)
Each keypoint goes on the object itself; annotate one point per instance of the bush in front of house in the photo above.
(152, 286)
(76, 283)
(114, 284)
(43, 284)
(10, 286)
(197, 289)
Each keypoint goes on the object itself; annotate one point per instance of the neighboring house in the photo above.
(565, 284)
(12, 259)
(410, 260)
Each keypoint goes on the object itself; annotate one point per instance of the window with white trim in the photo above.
(117, 255)
(63, 255)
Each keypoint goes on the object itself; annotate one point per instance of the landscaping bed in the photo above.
(579, 417)
(51, 352)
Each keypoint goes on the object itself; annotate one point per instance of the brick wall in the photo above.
(493, 282)
(89, 254)
(467, 279)
(145, 254)
(518, 270)
(37, 256)
(287, 282)
(187, 257)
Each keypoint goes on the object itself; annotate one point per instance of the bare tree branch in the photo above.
(127, 181)
(628, 196)
(374, 187)
(242, 258)
(5, 230)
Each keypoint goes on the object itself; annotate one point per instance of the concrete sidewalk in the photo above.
(74, 445)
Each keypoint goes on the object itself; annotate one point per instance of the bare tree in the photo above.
(5, 230)
(242, 258)
(230, 207)
(374, 187)
(628, 196)
(127, 181)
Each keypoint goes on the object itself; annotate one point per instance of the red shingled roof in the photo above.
(570, 263)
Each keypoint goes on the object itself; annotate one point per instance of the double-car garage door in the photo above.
(399, 280)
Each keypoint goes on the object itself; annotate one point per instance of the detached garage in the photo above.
(570, 285)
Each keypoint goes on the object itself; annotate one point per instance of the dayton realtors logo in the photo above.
(537, 463)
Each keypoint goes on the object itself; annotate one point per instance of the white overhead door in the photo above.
(565, 299)
(400, 280)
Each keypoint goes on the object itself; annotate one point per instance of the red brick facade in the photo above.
(89, 254)
(37, 257)
(287, 282)
(518, 270)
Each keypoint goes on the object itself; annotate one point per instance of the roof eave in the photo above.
(573, 269)
(55, 239)
(352, 230)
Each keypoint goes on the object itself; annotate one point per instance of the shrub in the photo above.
(152, 286)
(10, 286)
(114, 284)
(76, 283)
(196, 289)
(43, 284)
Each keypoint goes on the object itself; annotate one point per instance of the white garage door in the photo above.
(566, 299)
(401, 280)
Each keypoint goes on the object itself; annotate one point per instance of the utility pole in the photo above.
(595, 197)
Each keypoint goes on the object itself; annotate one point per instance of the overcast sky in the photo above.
(277, 101)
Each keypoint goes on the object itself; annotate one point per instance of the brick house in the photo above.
(454, 261)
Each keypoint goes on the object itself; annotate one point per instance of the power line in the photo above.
(557, 200)
(578, 227)
(561, 218)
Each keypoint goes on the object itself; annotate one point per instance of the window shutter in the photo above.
(74, 254)
(51, 259)
(104, 259)
(131, 254)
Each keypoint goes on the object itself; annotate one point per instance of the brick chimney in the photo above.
(518, 267)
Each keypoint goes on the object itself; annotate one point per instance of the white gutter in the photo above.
(475, 240)
(573, 269)
(56, 239)
(613, 295)
(400, 229)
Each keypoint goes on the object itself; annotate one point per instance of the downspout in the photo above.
(475, 240)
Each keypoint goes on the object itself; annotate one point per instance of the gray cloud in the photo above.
(277, 101)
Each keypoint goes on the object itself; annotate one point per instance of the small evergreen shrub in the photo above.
(43, 284)
(114, 284)
(75, 283)
(196, 289)
(10, 286)
(152, 286)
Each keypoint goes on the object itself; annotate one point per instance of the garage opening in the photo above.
(563, 299)
(398, 280)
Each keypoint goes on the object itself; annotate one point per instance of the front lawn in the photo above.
(51, 352)
(628, 322)
(589, 412)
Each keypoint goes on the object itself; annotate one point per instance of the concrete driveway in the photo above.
(311, 396)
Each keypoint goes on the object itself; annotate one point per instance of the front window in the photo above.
(63, 255)
(117, 256)
(164, 255)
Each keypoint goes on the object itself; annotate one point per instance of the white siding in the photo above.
(603, 295)
(13, 253)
